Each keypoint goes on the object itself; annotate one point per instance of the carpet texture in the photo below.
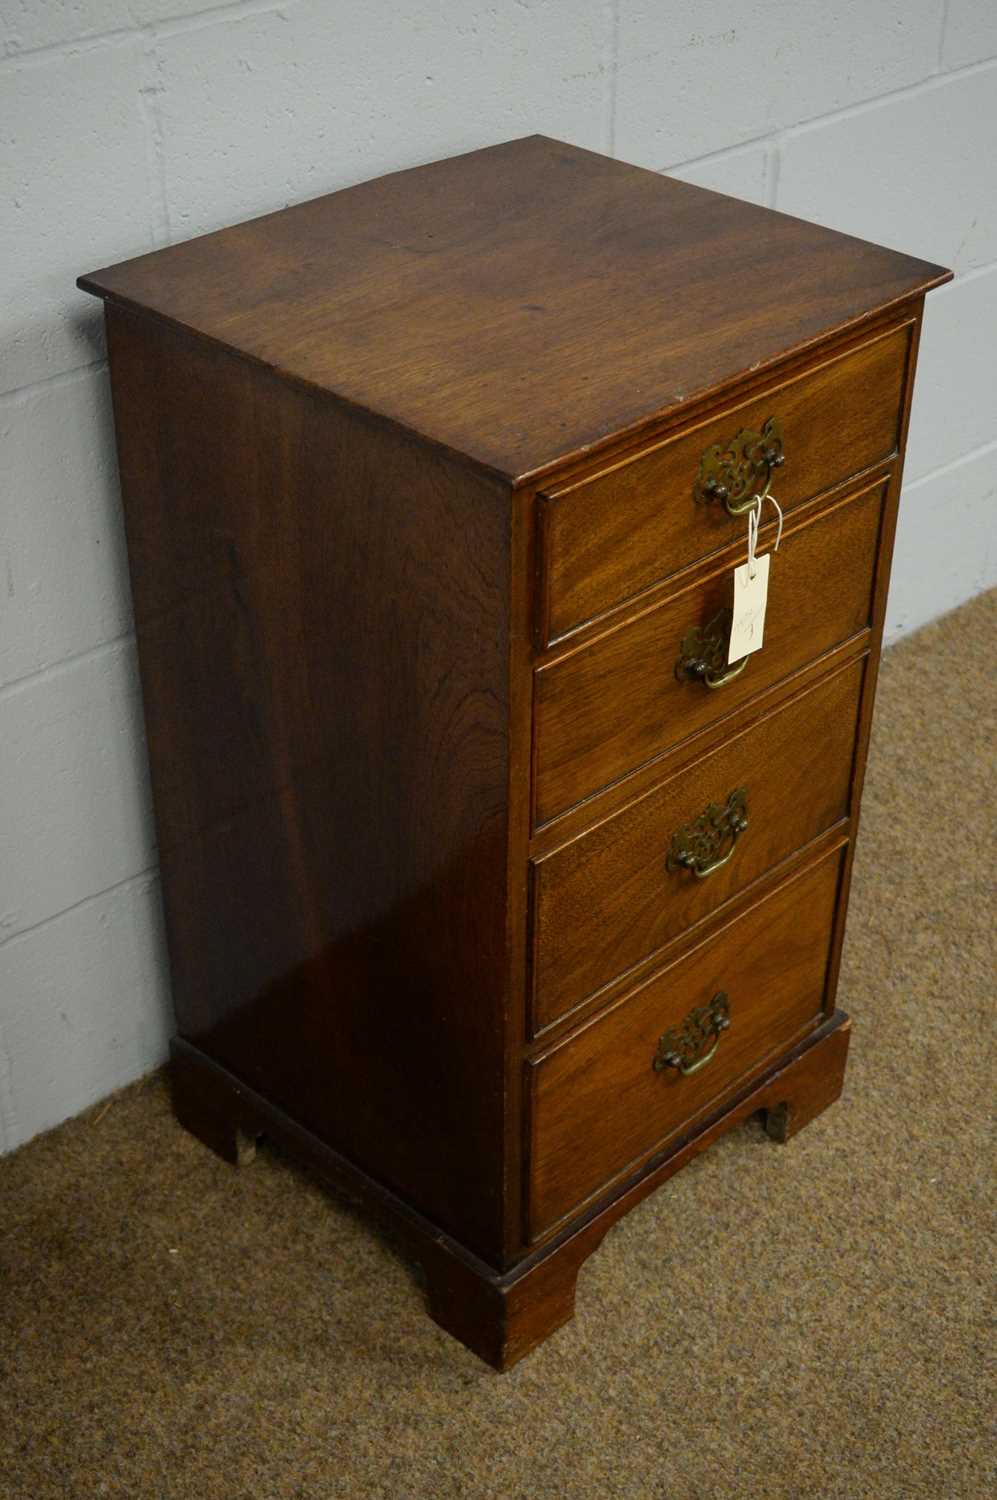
(799, 1321)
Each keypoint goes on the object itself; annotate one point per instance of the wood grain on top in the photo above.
(522, 303)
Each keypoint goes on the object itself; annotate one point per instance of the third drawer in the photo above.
(612, 897)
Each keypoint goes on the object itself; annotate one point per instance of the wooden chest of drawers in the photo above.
(493, 889)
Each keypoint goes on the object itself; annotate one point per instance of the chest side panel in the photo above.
(321, 609)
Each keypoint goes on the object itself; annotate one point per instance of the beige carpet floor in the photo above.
(799, 1321)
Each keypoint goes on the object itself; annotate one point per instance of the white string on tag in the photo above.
(754, 521)
(778, 511)
(753, 517)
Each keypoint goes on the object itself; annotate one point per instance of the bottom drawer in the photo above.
(599, 1103)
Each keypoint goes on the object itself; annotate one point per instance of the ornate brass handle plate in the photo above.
(735, 472)
(690, 1046)
(697, 846)
(704, 654)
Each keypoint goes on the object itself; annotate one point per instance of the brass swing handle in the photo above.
(704, 654)
(737, 471)
(697, 846)
(682, 1047)
(721, 679)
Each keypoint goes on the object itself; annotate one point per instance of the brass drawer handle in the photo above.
(697, 846)
(683, 1046)
(704, 654)
(736, 472)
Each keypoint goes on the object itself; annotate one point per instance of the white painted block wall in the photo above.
(128, 124)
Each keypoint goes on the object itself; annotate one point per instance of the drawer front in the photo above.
(606, 538)
(614, 704)
(608, 900)
(597, 1103)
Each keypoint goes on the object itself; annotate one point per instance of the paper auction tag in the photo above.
(750, 596)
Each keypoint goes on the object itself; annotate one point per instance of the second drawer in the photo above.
(615, 895)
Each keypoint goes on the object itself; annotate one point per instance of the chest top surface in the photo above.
(519, 304)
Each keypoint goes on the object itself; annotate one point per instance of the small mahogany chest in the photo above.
(494, 889)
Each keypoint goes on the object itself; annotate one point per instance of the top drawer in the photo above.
(607, 537)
